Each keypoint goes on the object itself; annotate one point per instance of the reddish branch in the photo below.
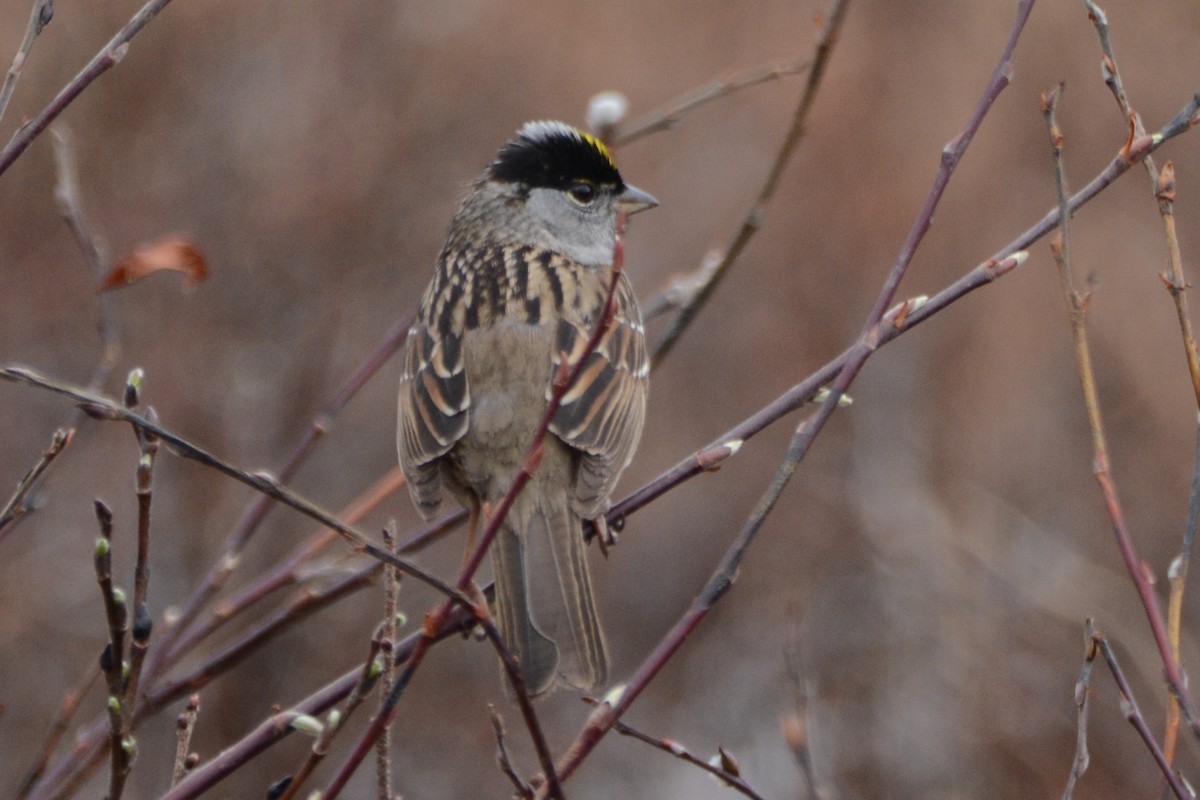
(1006, 259)
(213, 582)
(726, 572)
(754, 216)
(106, 59)
(533, 456)
(888, 328)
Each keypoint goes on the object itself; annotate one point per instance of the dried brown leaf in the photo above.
(174, 253)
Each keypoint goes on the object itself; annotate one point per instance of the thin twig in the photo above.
(285, 572)
(667, 117)
(568, 374)
(70, 206)
(17, 507)
(1129, 708)
(103, 408)
(1177, 577)
(226, 561)
(520, 787)
(676, 749)
(521, 694)
(1077, 313)
(1083, 692)
(1163, 185)
(869, 340)
(752, 221)
(184, 727)
(106, 59)
(372, 670)
(70, 705)
(142, 623)
(122, 748)
(39, 18)
(1193, 518)
(391, 595)
(1173, 279)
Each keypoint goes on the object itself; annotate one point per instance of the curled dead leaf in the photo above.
(174, 253)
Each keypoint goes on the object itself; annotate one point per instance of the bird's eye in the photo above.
(582, 193)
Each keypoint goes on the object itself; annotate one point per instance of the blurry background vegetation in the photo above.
(924, 581)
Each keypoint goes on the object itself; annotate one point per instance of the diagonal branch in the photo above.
(237, 539)
(722, 579)
(1101, 466)
(666, 118)
(753, 218)
(104, 408)
(568, 375)
(39, 18)
(108, 57)
(18, 505)
(1133, 715)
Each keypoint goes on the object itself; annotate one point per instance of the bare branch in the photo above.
(568, 375)
(242, 532)
(270, 731)
(104, 408)
(39, 18)
(669, 116)
(753, 218)
(122, 748)
(184, 728)
(387, 635)
(17, 507)
(95, 254)
(674, 748)
(70, 705)
(1077, 312)
(1133, 715)
(106, 59)
(521, 788)
(723, 577)
(1083, 691)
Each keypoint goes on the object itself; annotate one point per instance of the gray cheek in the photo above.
(587, 241)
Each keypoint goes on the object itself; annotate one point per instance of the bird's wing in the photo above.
(602, 414)
(434, 397)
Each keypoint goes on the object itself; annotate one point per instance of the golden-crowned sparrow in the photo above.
(522, 279)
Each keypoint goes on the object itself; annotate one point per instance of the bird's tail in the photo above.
(544, 595)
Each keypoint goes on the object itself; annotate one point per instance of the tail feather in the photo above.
(544, 596)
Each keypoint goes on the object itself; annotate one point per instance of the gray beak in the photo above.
(634, 200)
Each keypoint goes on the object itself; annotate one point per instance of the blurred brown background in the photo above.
(925, 579)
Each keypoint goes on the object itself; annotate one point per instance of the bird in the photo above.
(521, 284)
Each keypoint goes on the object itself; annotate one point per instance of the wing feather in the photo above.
(434, 398)
(602, 415)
